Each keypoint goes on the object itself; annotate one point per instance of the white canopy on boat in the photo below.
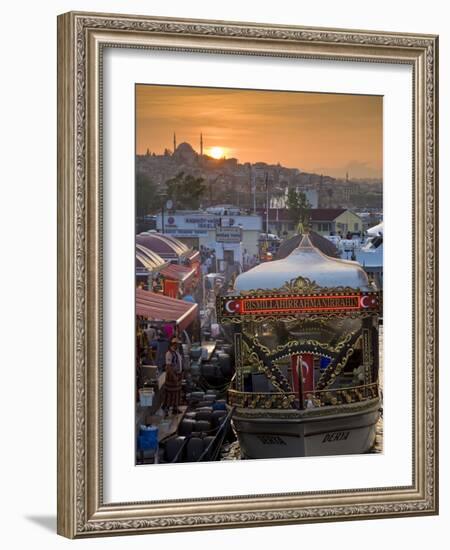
(376, 230)
(304, 261)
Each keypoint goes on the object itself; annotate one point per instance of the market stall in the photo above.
(160, 308)
(178, 280)
(161, 317)
(148, 265)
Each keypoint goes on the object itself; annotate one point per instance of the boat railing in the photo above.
(216, 443)
(311, 399)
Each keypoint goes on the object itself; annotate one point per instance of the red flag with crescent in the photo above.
(308, 371)
(306, 363)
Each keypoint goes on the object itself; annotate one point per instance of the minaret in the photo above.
(174, 142)
(201, 144)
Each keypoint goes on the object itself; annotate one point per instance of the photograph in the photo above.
(223, 317)
(239, 344)
(259, 274)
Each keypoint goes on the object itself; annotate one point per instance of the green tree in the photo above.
(299, 207)
(146, 195)
(185, 191)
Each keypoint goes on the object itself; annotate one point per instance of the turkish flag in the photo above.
(308, 371)
(305, 362)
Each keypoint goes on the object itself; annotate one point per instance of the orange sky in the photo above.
(322, 133)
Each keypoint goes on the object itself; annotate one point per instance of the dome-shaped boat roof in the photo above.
(323, 244)
(308, 262)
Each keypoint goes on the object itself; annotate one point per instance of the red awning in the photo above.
(178, 272)
(162, 308)
(193, 256)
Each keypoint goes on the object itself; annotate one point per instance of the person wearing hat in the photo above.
(162, 345)
(174, 376)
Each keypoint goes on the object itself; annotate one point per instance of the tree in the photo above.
(146, 196)
(299, 207)
(185, 191)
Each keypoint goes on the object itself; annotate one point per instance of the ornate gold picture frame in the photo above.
(82, 39)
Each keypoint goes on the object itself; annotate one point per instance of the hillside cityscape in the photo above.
(246, 185)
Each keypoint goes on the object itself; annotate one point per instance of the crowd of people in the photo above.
(208, 260)
(249, 260)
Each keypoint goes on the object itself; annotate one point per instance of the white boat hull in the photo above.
(333, 430)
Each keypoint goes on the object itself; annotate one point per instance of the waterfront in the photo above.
(258, 286)
(297, 376)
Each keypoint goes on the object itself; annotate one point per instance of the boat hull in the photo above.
(339, 430)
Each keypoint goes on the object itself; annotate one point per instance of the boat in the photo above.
(305, 334)
(204, 428)
(370, 254)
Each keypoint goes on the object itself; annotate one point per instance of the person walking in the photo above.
(174, 376)
(162, 345)
(208, 263)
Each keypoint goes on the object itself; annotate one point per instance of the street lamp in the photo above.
(163, 197)
(168, 205)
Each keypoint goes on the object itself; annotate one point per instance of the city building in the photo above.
(223, 228)
(325, 221)
(335, 221)
(280, 221)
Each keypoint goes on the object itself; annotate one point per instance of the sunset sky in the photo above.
(323, 133)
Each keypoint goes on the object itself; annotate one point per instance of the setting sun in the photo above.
(217, 152)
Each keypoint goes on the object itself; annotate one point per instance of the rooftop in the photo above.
(317, 214)
(305, 261)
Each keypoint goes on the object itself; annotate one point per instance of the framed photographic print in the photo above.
(247, 274)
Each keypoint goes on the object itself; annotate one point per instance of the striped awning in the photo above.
(167, 246)
(163, 245)
(193, 256)
(158, 307)
(178, 272)
(148, 260)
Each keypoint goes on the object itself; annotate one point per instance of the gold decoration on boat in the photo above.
(301, 285)
(343, 343)
(310, 325)
(330, 374)
(321, 399)
(335, 315)
(295, 346)
(249, 358)
(259, 356)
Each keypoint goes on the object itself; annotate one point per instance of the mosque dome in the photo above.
(185, 153)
